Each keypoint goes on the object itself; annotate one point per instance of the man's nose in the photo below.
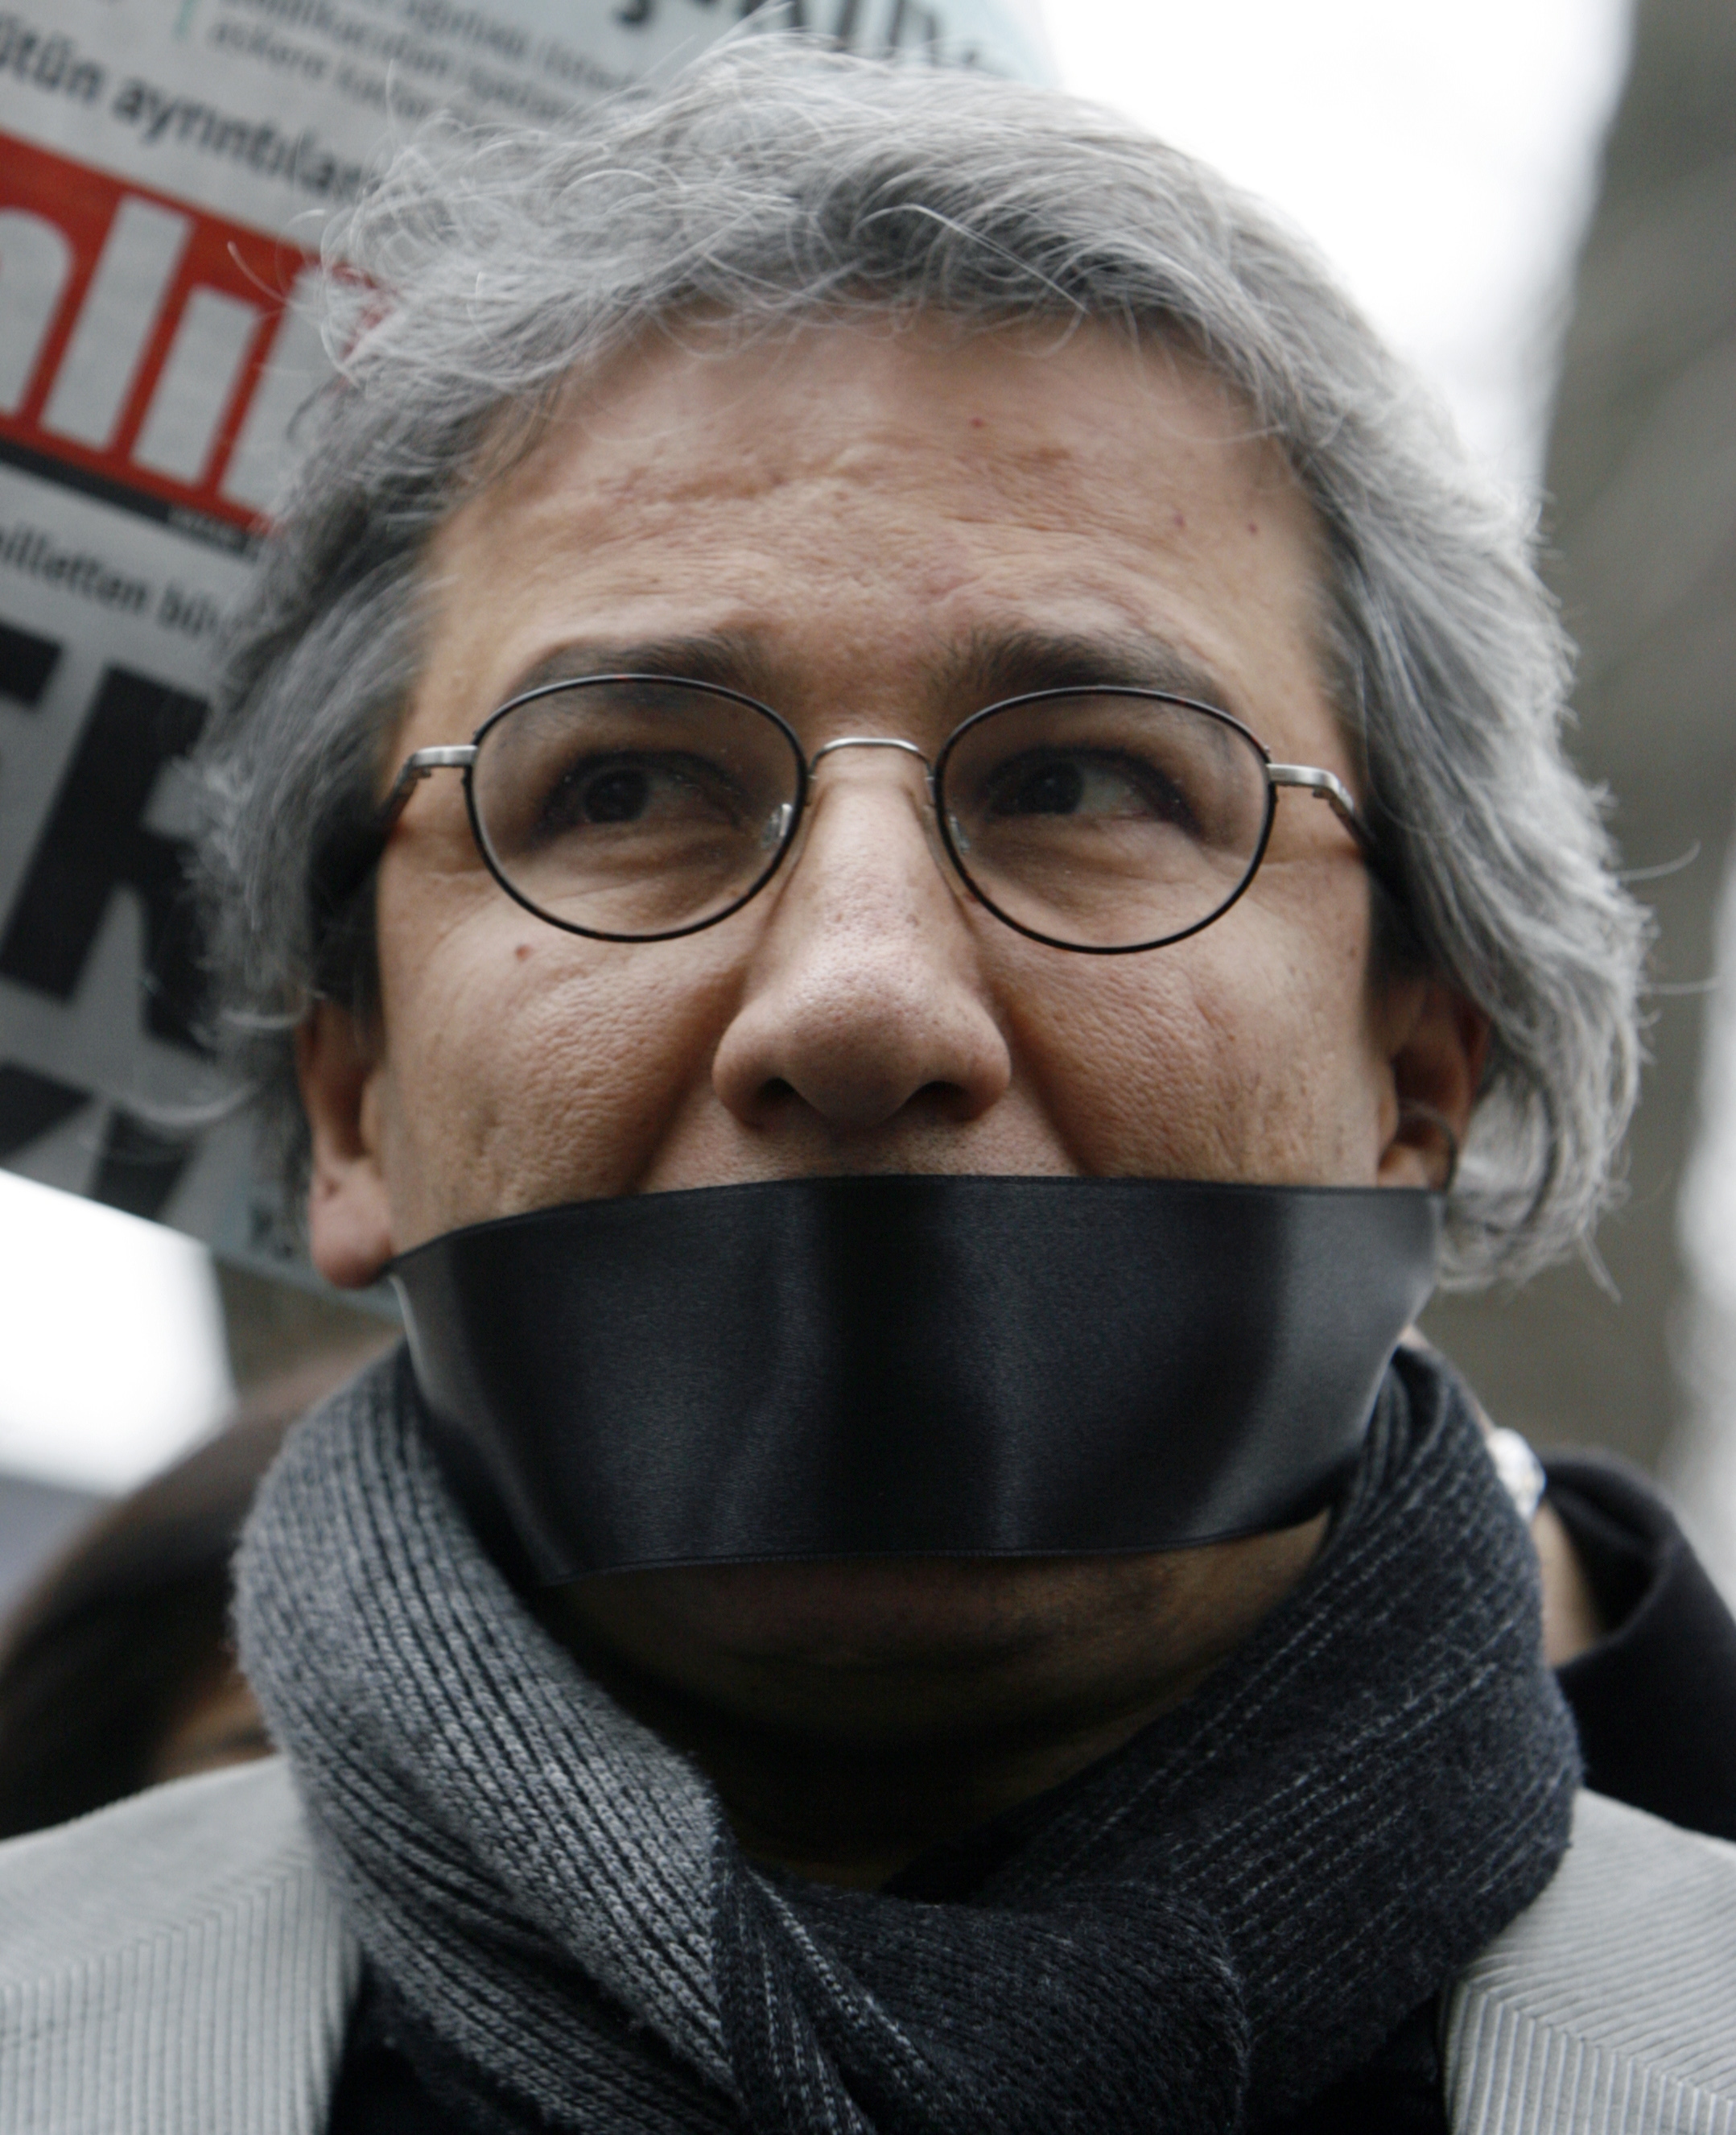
(865, 995)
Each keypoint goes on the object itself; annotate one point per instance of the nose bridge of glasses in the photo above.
(905, 749)
(870, 741)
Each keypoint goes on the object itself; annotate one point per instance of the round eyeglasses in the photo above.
(641, 807)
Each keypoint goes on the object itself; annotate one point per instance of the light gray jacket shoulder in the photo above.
(1609, 2005)
(176, 1965)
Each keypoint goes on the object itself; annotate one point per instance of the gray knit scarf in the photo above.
(1199, 1934)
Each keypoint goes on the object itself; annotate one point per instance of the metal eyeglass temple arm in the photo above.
(417, 768)
(1325, 786)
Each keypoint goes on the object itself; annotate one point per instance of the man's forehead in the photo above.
(866, 404)
(983, 516)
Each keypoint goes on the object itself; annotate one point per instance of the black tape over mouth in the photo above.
(913, 1365)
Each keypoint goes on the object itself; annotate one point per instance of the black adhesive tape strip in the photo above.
(914, 1365)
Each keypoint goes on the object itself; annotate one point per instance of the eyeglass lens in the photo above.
(1100, 819)
(1104, 820)
(634, 808)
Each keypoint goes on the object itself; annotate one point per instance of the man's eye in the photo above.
(1089, 786)
(621, 796)
(1053, 789)
(650, 792)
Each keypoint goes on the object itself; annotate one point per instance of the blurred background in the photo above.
(1537, 201)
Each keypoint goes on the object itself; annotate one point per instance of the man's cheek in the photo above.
(1221, 1068)
(574, 1083)
(1129, 1069)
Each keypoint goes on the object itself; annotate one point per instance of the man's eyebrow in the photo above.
(1010, 664)
(990, 665)
(729, 659)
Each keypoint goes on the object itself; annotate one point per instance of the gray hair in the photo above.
(770, 183)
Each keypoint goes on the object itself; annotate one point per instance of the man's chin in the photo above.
(906, 1640)
(866, 1611)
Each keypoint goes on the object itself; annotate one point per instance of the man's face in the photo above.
(875, 521)
(873, 530)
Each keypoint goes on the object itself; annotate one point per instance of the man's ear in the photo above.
(348, 1209)
(1437, 1043)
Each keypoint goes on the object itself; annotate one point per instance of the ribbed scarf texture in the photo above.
(1199, 1934)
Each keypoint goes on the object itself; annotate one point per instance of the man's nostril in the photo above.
(945, 1101)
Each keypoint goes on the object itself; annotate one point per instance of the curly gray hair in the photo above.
(482, 273)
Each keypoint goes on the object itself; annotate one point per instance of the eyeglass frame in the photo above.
(1313, 779)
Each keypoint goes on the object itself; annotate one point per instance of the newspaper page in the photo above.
(165, 166)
